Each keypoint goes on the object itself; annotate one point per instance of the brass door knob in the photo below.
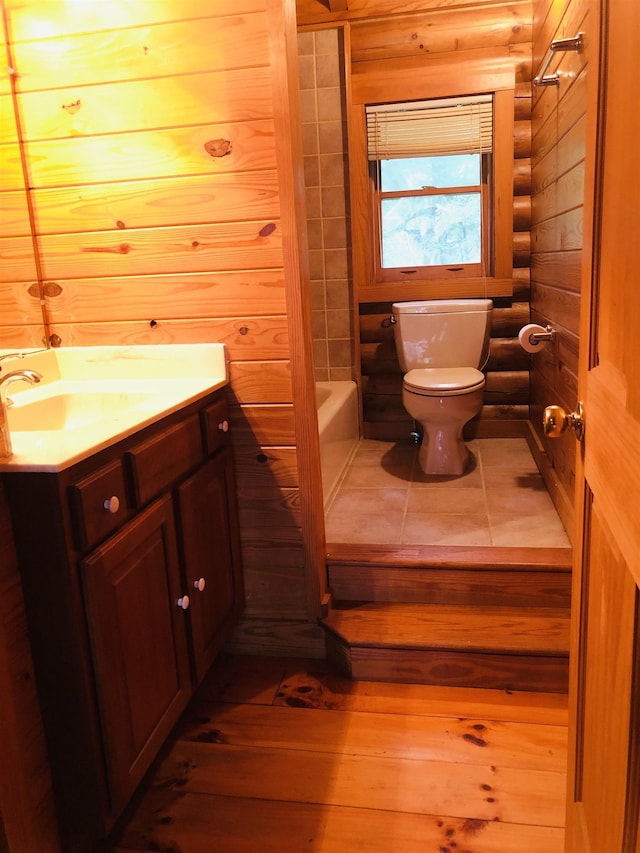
(555, 421)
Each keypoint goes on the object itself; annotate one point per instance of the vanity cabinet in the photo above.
(202, 497)
(138, 640)
(131, 574)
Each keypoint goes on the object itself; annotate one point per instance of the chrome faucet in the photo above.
(31, 376)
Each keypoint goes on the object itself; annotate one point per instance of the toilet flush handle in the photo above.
(555, 421)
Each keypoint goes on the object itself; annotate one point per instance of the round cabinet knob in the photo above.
(223, 426)
(112, 504)
(200, 584)
(183, 602)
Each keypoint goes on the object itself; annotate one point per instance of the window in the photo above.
(431, 171)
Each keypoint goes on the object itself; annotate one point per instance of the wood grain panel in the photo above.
(485, 69)
(557, 185)
(559, 269)
(278, 509)
(321, 11)
(27, 22)
(183, 47)
(17, 260)
(245, 337)
(569, 111)
(552, 302)
(241, 95)
(261, 382)
(265, 425)
(7, 121)
(561, 196)
(562, 233)
(14, 216)
(21, 337)
(256, 464)
(12, 175)
(249, 196)
(151, 154)
(184, 295)
(441, 31)
(277, 591)
(196, 248)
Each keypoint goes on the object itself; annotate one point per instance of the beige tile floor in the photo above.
(384, 498)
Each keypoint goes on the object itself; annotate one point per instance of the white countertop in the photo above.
(154, 381)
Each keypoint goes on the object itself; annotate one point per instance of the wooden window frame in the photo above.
(498, 280)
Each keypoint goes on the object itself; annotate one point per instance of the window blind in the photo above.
(430, 128)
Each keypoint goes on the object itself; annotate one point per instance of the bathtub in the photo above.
(338, 431)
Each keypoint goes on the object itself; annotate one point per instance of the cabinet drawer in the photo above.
(98, 504)
(216, 426)
(159, 462)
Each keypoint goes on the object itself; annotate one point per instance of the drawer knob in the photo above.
(200, 584)
(112, 504)
(183, 602)
(223, 426)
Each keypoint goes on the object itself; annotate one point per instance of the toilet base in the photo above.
(443, 453)
(443, 419)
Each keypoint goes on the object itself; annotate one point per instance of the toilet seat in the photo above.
(443, 381)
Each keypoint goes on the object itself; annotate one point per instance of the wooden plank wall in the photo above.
(558, 143)
(156, 199)
(382, 32)
(21, 319)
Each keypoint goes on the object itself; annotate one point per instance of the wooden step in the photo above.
(499, 647)
(458, 575)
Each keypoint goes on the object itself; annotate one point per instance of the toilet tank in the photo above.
(442, 333)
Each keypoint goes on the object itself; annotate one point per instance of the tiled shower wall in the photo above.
(324, 135)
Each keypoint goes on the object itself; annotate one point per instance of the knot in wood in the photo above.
(218, 147)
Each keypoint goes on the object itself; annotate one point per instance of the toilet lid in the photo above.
(443, 381)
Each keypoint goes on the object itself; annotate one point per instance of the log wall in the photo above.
(384, 37)
(558, 143)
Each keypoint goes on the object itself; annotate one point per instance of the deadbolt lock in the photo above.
(555, 421)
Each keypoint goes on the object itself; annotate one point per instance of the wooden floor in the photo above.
(284, 755)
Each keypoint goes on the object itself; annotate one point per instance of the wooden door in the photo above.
(138, 643)
(208, 531)
(604, 770)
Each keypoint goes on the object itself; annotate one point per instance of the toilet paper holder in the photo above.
(548, 334)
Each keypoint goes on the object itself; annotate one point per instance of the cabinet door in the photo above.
(138, 643)
(207, 518)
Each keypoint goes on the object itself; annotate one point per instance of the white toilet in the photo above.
(442, 345)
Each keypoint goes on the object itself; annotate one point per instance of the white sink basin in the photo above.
(73, 411)
(91, 397)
